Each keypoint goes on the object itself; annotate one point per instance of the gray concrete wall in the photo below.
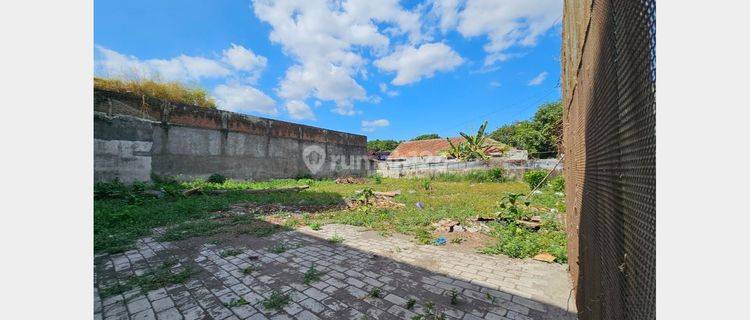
(135, 137)
(428, 166)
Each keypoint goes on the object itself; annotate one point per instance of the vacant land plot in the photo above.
(358, 250)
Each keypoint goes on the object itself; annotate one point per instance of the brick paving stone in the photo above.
(144, 315)
(517, 289)
(135, 306)
(306, 315)
(169, 314)
(312, 305)
(162, 304)
(194, 313)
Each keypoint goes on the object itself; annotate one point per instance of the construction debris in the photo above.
(445, 225)
(351, 180)
(375, 198)
(544, 256)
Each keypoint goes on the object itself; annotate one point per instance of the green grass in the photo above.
(248, 270)
(123, 214)
(375, 292)
(335, 239)
(276, 301)
(229, 253)
(236, 303)
(312, 275)
(279, 249)
(159, 277)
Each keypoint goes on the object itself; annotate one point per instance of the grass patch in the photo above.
(279, 249)
(124, 213)
(336, 239)
(519, 242)
(249, 269)
(312, 275)
(315, 225)
(276, 301)
(191, 229)
(159, 277)
(375, 292)
(236, 303)
(423, 236)
(170, 91)
(229, 253)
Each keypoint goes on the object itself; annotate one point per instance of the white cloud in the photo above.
(446, 11)
(299, 110)
(237, 62)
(181, 68)
(327, 40)
(371, 125)
(243, 59)
(538, 79)
(495, 84)
(411, 64)
(235, 97)
(384, 89)
(506, 23)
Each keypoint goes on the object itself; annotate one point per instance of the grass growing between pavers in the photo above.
(122, 215)
(159, 277)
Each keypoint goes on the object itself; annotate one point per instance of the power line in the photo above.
(534, 102)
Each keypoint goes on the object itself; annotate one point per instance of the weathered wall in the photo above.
(428, 166)
(609, 117)
(135, 137)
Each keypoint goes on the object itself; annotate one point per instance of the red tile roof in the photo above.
(429, 148)
(423, 148)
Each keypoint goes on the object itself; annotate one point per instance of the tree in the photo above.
(473, 147)
(382, 145)
(426, 136)
(538, 136)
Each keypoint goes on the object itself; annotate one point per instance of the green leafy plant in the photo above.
(557, 183)
(427, 184)
(423, 236)
(217, 178)
(229, 253)
(454, 296)
(365, 195)
(375, 292)
(236, 303)
(336, 239)
(410, 304)
(315, 225)
(534, 177)
(510, 206)
(489, 297)
(279, 249)
(378, 179)
(248, 270)
(276, 301)
(312, 275)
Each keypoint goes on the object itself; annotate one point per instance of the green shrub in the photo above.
(217, 178)
(534, 177)
(557, 183)
(519, 242)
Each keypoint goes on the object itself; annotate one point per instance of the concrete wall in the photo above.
(427, 166)
(135, 137)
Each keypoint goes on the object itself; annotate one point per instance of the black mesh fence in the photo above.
(609, 74)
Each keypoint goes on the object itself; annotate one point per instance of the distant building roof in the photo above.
(423, 148)
(428, 148)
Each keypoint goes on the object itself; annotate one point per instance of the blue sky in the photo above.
(386, 69)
